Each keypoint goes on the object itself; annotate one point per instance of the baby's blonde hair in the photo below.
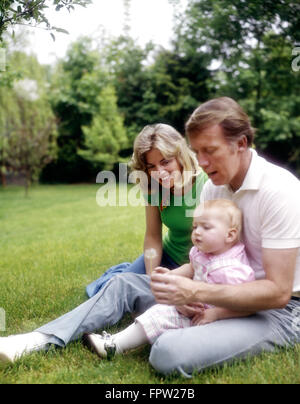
(229, 210)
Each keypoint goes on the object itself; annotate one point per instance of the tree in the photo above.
(13, 12)
(125, 63)
(178, 82)
(27, 124)
(106, 136)
(153, 84)
(31, 140)
(76, 85)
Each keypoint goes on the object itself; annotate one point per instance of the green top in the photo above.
(177, 215)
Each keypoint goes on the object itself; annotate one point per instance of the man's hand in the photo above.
(173, 289)
(217, 313)
(206, 316)
(190, 310)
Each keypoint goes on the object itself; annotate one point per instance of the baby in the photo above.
(218, 257)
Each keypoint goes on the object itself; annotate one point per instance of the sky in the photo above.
(150, 20)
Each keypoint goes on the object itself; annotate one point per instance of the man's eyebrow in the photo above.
(191, 148)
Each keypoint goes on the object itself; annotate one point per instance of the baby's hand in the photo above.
(205, 317)
(160, 270)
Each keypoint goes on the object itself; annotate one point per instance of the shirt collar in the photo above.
(254, 175)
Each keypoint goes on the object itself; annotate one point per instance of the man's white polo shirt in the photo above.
(270, 201)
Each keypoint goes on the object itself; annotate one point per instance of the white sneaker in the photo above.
(103, 345)
(15, 346)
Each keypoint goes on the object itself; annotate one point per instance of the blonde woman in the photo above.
(172, 183)
(163, 155)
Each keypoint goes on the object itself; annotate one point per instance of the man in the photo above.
(221, 135)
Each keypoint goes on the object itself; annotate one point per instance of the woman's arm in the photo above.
(153, 237)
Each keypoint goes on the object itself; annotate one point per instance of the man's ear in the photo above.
(242, 143)
(232, 235)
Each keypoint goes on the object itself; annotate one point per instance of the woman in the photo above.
(173, 181)
(163, 155)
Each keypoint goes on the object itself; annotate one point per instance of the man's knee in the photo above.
(164, 356)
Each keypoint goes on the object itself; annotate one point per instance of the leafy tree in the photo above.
(178, 83)
(154, 84)
(31, 142)
(228, 28)
(27, 124)
(13, 12)
(10, 47)
(76, 86)
(106, 136)
(125, 62)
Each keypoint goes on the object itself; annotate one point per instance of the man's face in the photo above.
(218, 158)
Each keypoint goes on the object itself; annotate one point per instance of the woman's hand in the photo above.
(173, 289)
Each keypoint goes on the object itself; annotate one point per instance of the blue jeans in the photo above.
(137, 267)
(184, 350)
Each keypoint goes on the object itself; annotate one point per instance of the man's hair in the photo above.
(226, 113)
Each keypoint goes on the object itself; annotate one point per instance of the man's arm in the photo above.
(272, 292)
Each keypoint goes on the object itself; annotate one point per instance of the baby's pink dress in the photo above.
(231, 267)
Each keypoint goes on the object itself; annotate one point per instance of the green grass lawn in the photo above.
(52, 244)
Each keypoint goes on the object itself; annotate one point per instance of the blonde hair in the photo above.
(231, 212)
(227, 113)
(171, 144)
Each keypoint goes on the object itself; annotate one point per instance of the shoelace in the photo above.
(110, 346)
(105, 335)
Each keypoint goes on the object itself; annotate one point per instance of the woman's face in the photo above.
(165, 171)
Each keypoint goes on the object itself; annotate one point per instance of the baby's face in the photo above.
(210, 231)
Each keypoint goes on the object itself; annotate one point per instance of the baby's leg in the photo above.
(106, 346)
(146, 329)
(130, 338)
(160, 318)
